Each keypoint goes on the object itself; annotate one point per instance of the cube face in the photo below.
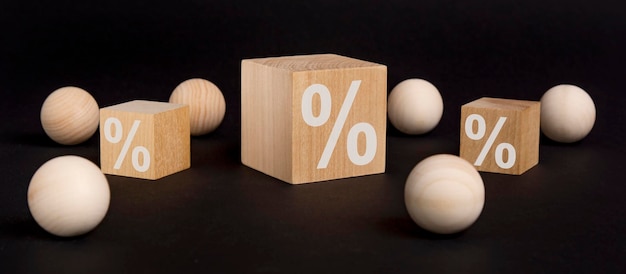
(313, 118)
(144, 139)
(500, 135)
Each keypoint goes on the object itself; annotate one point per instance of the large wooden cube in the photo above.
(500, 135)
(144, 139)
(313, 118)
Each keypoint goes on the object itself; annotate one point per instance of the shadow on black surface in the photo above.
(31, 139)
(211, 135)
(42, 140)
(544, 140)
(234, 153)
(394, 132)
(21, 228)
(406, 228)
(204, 151)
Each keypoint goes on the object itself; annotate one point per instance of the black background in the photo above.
(565, 215)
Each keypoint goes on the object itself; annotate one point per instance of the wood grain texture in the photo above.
(163, 131)
(444, 194)
(415, 106)
(521, 130)
(567, 113)
(69, 115)
(68, 196)
(206, 104)
(275, 138)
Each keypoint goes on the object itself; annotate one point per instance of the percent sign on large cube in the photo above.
(313, 118)
(144, 139)
(500, 135)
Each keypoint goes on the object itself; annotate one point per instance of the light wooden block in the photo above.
(512, 150)
(287, 117)
(144, 139)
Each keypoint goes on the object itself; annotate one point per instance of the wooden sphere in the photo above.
(70, 115)
(206, 104)
(444, 194)
(567, 113)
(415, 106)
(68, 196)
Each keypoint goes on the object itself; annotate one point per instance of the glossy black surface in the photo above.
(568, 214)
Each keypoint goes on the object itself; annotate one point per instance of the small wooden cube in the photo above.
(313, 118)
(144, 139)
(500, 135)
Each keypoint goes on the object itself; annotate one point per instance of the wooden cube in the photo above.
(144, 139)
(313, 118)
(500, 135)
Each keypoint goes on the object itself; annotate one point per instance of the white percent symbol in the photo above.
(481, 128)
(324, 114)
(117, 137)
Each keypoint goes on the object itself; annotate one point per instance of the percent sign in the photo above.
(324, 114)
(117, 137)
(480, 133)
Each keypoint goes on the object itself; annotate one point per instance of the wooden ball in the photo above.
(70, 115)
(68, 196)
(415, 106)
(206, 104)
(444, 194)
(567, 113)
